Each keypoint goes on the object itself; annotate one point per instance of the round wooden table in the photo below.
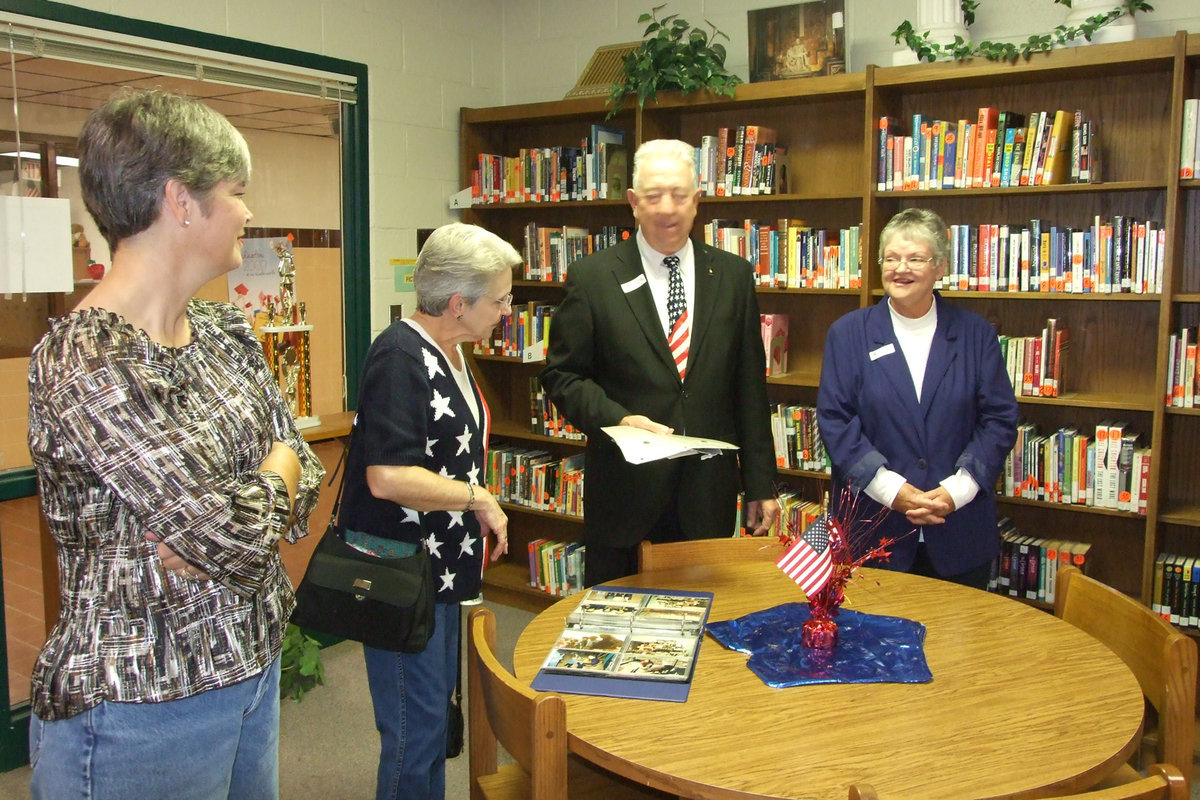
(1021, 703)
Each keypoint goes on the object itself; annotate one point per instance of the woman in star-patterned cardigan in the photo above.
(413, 480)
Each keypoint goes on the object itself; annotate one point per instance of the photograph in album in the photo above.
(800, 40)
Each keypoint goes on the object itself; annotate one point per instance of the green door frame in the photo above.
(356, 250)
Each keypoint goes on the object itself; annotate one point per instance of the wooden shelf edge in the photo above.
(537, 512)
(1121, 402)
(508, 583)
(1181, 514)
(1053, 188)
(1071, 507)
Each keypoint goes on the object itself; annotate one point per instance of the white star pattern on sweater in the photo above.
(447, 581)
(468, 545)
(473, 474)
(433, 546)
(412, 515)
(431, 363)
(440, 406)
(464, 441)
(429, 443)
(455, 519)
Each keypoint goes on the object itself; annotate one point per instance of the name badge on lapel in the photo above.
(632, 285)
(880, 352)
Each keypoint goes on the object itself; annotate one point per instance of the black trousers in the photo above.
(976, 578)
(603, 563)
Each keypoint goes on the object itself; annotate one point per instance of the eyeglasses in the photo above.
(916, 262)
(506, 301)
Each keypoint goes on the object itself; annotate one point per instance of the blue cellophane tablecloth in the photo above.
(870, 648)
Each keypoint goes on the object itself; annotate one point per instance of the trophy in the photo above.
(286, 342)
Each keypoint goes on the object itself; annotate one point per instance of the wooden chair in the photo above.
(1162, 782)
(1162, 658)
(532, 726)
(668, 555)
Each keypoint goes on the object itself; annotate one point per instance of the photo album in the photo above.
(626, 642)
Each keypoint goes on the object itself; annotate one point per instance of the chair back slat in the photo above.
(668, 555)
(531, 726)
(1162, 658)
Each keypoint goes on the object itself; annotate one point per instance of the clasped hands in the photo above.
(923, 508)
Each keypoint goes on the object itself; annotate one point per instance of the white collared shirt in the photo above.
(657, 276)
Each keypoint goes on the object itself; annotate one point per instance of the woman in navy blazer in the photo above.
(917, 412)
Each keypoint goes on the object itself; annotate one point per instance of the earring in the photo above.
(187, 222)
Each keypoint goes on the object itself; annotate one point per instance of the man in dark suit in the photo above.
(662, 333)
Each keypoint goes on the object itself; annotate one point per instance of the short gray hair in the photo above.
(138, 140)
(919, 225)
(459, 259)
(671, 148)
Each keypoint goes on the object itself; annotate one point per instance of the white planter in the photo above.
(1123, 29)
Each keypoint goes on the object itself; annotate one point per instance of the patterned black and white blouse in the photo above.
(411, 412)
(130, 437)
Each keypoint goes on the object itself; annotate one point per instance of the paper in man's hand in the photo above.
(640, 446)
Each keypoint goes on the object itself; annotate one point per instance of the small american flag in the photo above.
(808, 561)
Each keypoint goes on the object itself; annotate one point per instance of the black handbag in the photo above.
(385, 603)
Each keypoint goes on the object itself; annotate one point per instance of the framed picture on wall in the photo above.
(801, 40)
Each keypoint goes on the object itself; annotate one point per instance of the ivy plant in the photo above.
(300, 665)
(673, 55)
(960, 48)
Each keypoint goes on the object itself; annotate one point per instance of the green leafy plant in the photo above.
(300, 666)
(673, 55)
(960, 48)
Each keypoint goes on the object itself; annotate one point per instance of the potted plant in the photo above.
(300, 666)
(673, 55)
(929, 50)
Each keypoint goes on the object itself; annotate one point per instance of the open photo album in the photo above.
(625, 642)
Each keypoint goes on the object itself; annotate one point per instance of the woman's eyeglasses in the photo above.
(916, 262)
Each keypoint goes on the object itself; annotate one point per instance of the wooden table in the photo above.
(1020, 703)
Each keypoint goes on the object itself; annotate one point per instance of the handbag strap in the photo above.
(458, 681)
(343, 461)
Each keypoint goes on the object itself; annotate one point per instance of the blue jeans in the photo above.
(223, 743)
(410, 692)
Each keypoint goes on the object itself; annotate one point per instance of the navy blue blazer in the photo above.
(869, 417)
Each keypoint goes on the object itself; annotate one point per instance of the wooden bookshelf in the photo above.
(1116, 363)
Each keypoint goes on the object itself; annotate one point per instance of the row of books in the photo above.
(597, 169)
(1189, 148)
(1107, 470)
(1027, 566)
(1035, 364)
(1176, 596)
(556, 567)
(737, 161)
(999, 149)
(798, 443)
(536, 479)
(524, 333)
(549, 250)
(544, 418)
(1182, 391)
(788, 254)
(1121, 255)
(775, 342)
(795, 515)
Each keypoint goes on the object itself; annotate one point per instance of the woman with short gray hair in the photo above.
(414, 479)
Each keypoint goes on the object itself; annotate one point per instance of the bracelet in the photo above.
(471, 499)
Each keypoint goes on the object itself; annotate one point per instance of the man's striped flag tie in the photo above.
(808, 561)
(677, 315)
